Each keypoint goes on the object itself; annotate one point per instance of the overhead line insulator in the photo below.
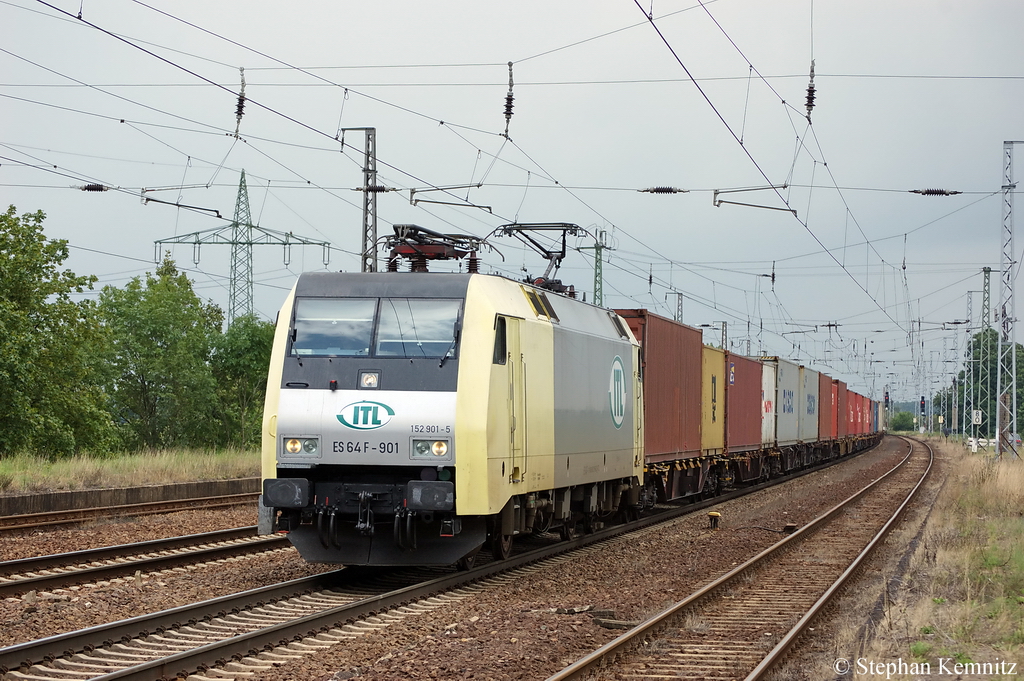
(94, 188)
(664, 190)
(240, 106)
(509, 98)
(935, 192)
(810, 93)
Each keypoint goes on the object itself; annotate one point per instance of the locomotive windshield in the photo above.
(384, 327)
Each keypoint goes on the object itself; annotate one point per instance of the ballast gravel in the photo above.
(526, 628)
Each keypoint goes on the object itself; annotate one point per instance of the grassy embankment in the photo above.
(20, 474)
(963, 598)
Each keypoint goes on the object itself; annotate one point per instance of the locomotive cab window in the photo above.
(417, 327)
(339, 327)
(500, 344)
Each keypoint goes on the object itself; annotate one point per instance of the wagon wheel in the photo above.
(568, 529)
(501, 546)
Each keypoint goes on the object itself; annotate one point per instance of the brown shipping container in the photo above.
(671, 374)
(825, 408)
(742, 403)
(842, 411)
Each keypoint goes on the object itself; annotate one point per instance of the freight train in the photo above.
(416, 417)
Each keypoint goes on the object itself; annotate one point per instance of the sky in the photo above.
(833, 261)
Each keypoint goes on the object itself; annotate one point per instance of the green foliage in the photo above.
(903, 420)
(159, 341)
(240, 359)
(50, 402)
(921, 649)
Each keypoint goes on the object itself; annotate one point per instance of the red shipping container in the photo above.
(742, 403)
(835, 412)
(842, 410)
(826, 413)
(671, 360)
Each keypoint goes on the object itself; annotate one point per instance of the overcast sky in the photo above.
(909, 95)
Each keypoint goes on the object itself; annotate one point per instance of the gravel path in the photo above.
(512, 631)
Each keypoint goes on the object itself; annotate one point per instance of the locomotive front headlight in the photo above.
(293, 446)
(431, 449)
(310, 445)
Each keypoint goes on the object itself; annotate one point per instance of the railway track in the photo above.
(81, 515)
(259, 628)
(742, 624)
(45, 573)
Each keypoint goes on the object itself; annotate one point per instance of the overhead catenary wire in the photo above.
(754, 161)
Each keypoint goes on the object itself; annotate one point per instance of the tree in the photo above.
(160, 383)
(902, 420)
(240, 359)
(51, 402)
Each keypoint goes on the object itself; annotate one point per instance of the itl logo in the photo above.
(617, 392)
(365, 415)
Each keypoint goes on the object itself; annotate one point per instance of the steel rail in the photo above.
(649, 627)
(35, 563)
(782, 647)
(167, 561)
(77, 515)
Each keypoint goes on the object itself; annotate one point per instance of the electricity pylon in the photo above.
(242, 235)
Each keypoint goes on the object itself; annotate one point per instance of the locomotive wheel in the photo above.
(501, 546)
(468, 561)
(589, 520)
(568, 530)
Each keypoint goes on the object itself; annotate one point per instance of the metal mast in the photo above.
(598, 248)
(968, 400)
(240, 289)
(985, 373)
(370, 202)
(1006, 373)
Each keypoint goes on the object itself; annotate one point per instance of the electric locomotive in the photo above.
(415, 417)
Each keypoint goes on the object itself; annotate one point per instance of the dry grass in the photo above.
(963, 597)
(21, 474)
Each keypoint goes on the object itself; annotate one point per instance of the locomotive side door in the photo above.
(516, 399)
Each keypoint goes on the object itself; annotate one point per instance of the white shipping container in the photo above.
(807, 405)
(767, 404)
(787, 390)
